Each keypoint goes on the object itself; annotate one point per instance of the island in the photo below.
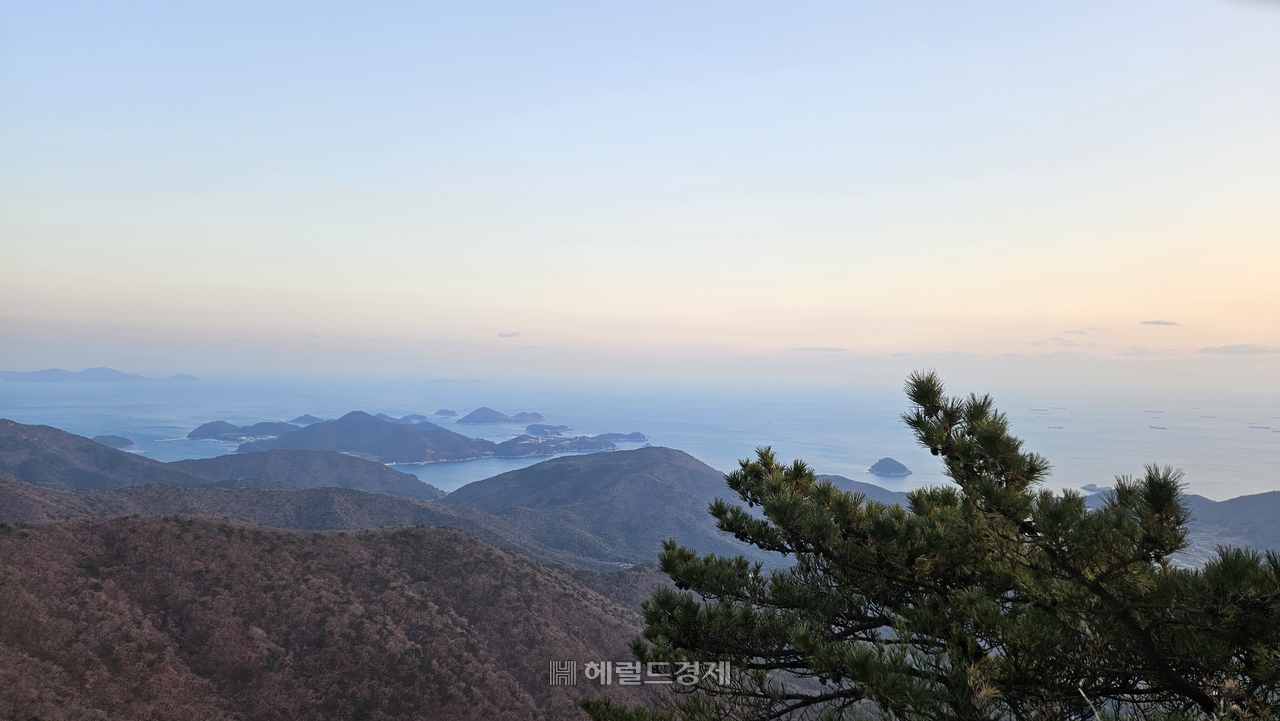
(114, 441)
(223, 431)
(306, 419)
(889, 468)
(446, 413)
(389, 441)
(412, 419)
(525, 446)
(544, 431)
(488, 416)
(623, 437)
(88, 375)
(215, 431)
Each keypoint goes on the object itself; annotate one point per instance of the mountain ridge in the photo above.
(633, 500)
(311, 469)
(52, 457)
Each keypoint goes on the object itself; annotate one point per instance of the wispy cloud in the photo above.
(510, 334)
(1160, 322)
(1090, 329)
(1240, 349)
(1068, 343)
(823, 349)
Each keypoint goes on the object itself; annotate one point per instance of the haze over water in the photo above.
(1229, 445)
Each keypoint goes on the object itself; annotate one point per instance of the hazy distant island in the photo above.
(406, 440)
(409, 420)
(889, 468)
(542, 430)
(524, 446)
(58, 375)
(100, 374)
(488, 416)
(114, 441)
(223, 431)
(446, 413)
(623, 437)
(412, 438)
(484, 416)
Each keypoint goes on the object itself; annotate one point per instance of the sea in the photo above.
(1226, 445)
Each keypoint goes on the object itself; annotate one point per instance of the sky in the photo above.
(1085, 192)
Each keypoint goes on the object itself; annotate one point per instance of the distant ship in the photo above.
(1059, 428)
(1158, 428)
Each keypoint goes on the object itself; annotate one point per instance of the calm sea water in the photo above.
(1228, 446)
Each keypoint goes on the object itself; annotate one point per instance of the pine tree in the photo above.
(991, 598)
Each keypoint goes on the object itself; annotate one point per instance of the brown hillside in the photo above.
(306, 509)
(195, 618)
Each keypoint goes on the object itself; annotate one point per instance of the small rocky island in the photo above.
(114, 441)
(889, 468)
(306, 419)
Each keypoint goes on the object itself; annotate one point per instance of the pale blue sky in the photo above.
(646, 186)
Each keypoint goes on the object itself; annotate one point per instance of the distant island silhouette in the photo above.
(223, 431)
(889, 468)
(623, 437)
(488, 416)
(401, 440)
(539, 430)
(89, 375)
(409, 420)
